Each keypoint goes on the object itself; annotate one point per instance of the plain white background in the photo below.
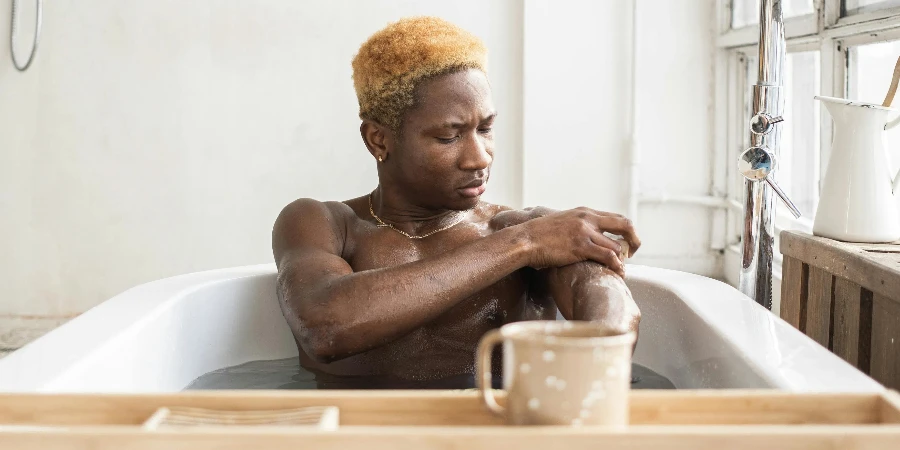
(151, 139)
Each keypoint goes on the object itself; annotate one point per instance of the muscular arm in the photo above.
(335, 312)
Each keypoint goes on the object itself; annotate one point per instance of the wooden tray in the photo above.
(374, 420)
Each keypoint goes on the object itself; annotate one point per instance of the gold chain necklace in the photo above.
(382, 224)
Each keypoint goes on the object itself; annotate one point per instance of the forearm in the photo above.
(367, 309)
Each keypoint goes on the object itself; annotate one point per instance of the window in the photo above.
(798, 163)
(837, 48)
(851, 7)
(871, 67)
(747, 12)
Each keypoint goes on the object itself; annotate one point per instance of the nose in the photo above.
(477, 154)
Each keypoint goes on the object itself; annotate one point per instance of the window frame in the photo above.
(832, 32)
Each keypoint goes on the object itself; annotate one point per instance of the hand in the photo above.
(576, 235)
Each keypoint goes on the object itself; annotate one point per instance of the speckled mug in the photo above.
(559, 373)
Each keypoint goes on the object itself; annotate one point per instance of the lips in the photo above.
(473, 189)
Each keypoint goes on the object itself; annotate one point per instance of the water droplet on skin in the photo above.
(534, 404)
(560, 385)
(525, 368)
(549, 355)
(550, 381)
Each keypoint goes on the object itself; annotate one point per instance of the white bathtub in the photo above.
(160, 336)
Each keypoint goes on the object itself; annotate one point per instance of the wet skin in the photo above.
(371, 307)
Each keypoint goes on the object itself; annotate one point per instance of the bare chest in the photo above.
(375, 248)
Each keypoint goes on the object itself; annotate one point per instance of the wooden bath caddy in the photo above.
(391, 420)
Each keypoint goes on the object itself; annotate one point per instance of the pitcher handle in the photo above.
(483, 372)
(892, 123)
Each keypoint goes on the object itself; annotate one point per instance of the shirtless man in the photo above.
(395, 288)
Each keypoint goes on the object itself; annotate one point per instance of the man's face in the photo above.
(442, 156)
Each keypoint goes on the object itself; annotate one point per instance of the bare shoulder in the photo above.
(309, 222)
(507, 217)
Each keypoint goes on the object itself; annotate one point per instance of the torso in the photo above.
(446, 346)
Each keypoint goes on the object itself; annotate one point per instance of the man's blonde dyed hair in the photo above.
(393, 61)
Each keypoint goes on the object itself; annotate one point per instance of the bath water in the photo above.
(287, 374)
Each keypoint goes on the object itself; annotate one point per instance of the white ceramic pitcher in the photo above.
(857, 202)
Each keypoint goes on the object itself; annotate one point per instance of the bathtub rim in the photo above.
(789, 361)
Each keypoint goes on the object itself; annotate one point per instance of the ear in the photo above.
(375, 136)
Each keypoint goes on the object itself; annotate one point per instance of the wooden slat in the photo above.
(793, 292)
(424, 438)
(873, 266)
(885, 363)
(356, 407)
(890, 408)
(865, 330)
(447, 408)
(818, 306)
(845, 340)
(732, 407)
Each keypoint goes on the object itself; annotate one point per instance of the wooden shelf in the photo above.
(374, 420)
(846, 297)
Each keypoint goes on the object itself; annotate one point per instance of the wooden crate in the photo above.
(392, 420)
(847, 298)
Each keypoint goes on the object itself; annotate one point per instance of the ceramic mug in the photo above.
(559, 373)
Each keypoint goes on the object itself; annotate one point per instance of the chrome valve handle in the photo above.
(756, 163)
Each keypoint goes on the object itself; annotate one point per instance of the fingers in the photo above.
(603, 254)
(606, 242)
(619, 225)
(598, 213)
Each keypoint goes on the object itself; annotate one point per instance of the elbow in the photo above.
(316, 328)
(601, 295)
(320, 343)
(327, 337)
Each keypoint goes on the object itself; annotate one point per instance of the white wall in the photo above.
(578, 108)
(154, 138)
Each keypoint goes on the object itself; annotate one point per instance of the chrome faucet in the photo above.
(757, 163)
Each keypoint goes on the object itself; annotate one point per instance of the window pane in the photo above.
(798, 162)
(750, 71)
(871, 69)
(746, 12)
(858, 6)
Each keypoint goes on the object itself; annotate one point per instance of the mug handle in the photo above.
(483, 372)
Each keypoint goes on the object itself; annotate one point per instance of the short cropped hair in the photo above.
(394, 61)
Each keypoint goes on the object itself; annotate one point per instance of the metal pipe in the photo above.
(759, 202)
(13, 27)
(771, 43)
(634, 150)
(698, 200)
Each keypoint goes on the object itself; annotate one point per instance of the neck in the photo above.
(394, 208)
